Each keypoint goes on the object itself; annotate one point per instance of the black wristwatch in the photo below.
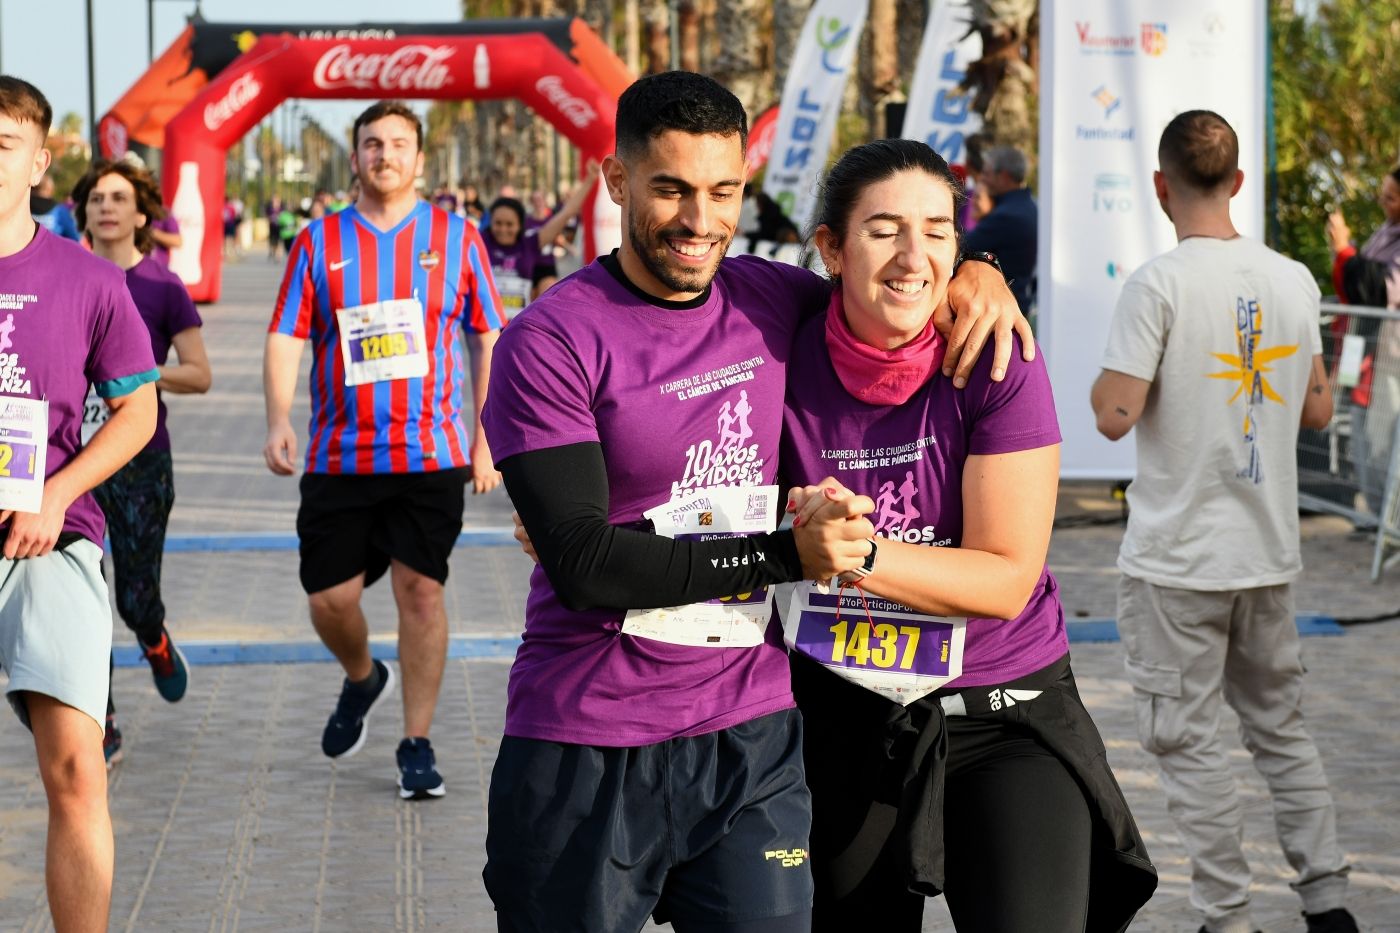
(867, 568)
(989, 258)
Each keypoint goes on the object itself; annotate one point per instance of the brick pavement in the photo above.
(228, 818)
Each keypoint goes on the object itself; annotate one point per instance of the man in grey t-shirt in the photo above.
(1215, 355)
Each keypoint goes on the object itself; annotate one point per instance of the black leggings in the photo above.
(792, 923)
(1016, 825)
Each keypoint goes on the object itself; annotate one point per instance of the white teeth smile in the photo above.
(688, 250)
(907, 288)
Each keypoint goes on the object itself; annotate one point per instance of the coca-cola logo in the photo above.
(408, 68)
(239, 95)
(113, 136)
(575, 109)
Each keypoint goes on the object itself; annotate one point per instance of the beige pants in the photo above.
(1185, 649)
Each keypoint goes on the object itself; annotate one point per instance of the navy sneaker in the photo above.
(418, 774)
(1338, 920)
(345, 731)
(168, 668)
(112, 742)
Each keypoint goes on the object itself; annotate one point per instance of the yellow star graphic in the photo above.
(1245, 374)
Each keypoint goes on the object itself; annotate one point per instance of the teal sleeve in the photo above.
(116, 388)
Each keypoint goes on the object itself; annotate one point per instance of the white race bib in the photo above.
(514, 292)
(24, 445)
(95, 415)
(737, 621)
(871, 641)
(382, 341)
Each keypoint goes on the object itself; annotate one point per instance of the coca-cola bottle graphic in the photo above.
(188, 208)
(481, 67)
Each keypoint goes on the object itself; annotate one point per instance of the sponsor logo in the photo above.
(999, 698)
(409, 68)
(341, 264)
(1210, 42)
(369, 33)
(575, 109)
(832, 34)
(1106, 100)
(1113, 193)
(241, 93)
(1097, 43)
(1116, 270)
(1111, 104)
(1154, 39)
(114, 136)
(428, 260)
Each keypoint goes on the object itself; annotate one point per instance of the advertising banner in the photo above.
(938, 112)
(816, 82)
(1113, 74)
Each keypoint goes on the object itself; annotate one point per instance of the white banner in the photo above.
(938, 113)
(816, 82)
(1113, 74)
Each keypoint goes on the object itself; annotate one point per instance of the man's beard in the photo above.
(654, 256)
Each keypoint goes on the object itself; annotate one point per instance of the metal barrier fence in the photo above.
(1350, 467)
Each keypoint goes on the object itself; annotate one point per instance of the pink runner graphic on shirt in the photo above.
(728, 460)
(895, 509)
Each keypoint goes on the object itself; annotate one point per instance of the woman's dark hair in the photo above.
(871, 164)
(510, 204)
(147, 196)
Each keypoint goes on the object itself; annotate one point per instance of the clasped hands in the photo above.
(832, 530)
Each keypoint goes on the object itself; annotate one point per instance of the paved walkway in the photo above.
(228, 818)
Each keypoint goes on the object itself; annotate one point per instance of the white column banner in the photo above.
(1113, 74)
(938, 113)
(811, 102)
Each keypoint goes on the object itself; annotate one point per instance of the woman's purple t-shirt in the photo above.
(515, 268)
(657, 388)
(167, 309)
(909, 458)
(67, 322)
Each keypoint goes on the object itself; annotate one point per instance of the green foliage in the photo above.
(1336, 117)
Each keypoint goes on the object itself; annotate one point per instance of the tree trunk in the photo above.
(1004, 80)
(913, 19)
(689, 16)
(878, 68)
(632, 35)
(788, 18)
(743, 62)
(658, 26)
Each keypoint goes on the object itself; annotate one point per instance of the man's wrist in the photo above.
(982, 256)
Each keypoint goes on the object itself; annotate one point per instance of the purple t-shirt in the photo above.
(909, 459)
(593, 362)
(516, 268)
(167, 309)
(67, 322)
(167, 224)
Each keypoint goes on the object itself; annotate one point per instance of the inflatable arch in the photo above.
(558, 67)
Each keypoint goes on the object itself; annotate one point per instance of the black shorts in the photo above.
(350, 524)
(710, 828)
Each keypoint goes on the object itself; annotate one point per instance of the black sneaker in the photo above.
(418, 774)
(112, 742)
(345, 731)
(1337, 920)
(168, 668)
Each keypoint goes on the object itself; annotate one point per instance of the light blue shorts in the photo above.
(56, 629)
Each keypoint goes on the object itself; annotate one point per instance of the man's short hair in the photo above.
(387, 108)
(1200, 150)
(25, 103)
(1007, 159)
(677, 100)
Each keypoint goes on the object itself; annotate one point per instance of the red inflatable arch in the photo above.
(575, 88)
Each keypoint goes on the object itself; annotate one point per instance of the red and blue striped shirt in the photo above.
(343, 261)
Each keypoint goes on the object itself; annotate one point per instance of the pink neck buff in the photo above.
(880, 377)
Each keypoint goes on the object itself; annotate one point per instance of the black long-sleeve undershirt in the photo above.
(561, 494)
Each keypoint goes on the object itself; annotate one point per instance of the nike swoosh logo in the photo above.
(337, 266)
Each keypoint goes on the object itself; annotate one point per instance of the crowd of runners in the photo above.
(874, 454)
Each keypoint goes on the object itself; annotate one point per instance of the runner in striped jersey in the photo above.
(385, 291)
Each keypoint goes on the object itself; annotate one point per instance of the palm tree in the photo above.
(1005, 81)
(878, 65)
(743, 62)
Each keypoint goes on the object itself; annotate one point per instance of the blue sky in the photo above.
(44, 41)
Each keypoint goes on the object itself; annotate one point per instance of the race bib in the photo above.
(514, 292)
(737, 621)
(24, 444)
(382, 341)
(95, 415)
(879, 644)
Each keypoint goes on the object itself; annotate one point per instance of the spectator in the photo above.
(472, 204)
(55, 216)
(233, 218)
(1009, 229)
(271, 211)
(1369, 277)
(1215, 355)
(165, 234)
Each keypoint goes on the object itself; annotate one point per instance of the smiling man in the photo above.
(384, 290)
(652, 757)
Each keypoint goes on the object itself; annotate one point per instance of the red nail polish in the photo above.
(797, 521)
